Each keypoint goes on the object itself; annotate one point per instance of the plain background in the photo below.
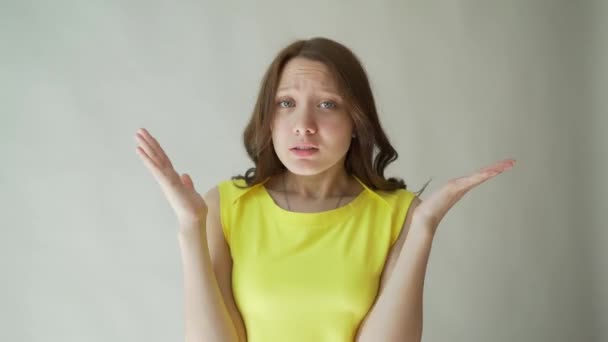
(88, 243)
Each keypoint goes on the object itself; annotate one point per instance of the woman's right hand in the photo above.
(188, 204)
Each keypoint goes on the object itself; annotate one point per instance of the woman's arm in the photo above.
(397, 313)
(207, 267)
(222, 260)
(205, 259)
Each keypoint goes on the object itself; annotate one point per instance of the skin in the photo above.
(309, 109)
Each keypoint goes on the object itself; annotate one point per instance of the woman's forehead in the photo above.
(301, 74)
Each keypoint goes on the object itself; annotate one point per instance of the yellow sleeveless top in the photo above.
(307, 276)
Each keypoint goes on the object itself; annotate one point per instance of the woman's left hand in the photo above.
(432, 210)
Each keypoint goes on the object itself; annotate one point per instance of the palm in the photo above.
(432, 210)
(187, 203)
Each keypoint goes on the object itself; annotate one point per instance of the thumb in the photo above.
(187, 181)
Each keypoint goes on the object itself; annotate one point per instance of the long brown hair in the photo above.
(354, 86)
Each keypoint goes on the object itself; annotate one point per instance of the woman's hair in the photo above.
(354, 88)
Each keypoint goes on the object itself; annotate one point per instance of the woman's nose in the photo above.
(305, 124)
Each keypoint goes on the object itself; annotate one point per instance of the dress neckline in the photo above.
(320, 218)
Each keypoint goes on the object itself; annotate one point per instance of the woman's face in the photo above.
(310, 112)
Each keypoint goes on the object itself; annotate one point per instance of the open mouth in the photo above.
(304, 151)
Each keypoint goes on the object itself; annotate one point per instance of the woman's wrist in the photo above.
(192, 228)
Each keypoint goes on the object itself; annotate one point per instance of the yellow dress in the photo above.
(307, 276)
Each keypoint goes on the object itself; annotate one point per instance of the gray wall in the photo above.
(595, 166)
(89, 248)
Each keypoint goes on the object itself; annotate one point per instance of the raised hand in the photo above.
(432, 210)
(188, 204)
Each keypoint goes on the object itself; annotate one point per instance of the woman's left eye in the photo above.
(331, 104)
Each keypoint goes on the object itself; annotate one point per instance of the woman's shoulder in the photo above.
(397, 193)
(230, 190)
(395, 199)
(236, 185)
(232, 182)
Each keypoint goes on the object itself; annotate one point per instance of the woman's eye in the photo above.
(324, 104)
(281, 103)
(331, 104)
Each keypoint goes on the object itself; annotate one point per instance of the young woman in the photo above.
(313, 243)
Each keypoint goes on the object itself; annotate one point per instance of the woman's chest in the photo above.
(309, 273)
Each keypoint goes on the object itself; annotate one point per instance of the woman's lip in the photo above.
(304, 146)
(304, 153)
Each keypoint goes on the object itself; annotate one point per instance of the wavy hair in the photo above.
(370, 151)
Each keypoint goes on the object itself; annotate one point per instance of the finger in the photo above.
(480, 178)
(151, 148)
(458, 187)
(150, 164)
(502, 165)
(160, 155)
(187, 181)
(487, 173)
(149, 137)
(145, 145)
(466, 183)
(165, 177)
(492, 170)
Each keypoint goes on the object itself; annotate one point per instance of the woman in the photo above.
(313, 243)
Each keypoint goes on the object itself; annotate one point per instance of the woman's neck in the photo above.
(319, 186)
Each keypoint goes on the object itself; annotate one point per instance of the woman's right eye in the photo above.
(283, 101)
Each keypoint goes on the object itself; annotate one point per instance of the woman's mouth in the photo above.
(304, 151)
